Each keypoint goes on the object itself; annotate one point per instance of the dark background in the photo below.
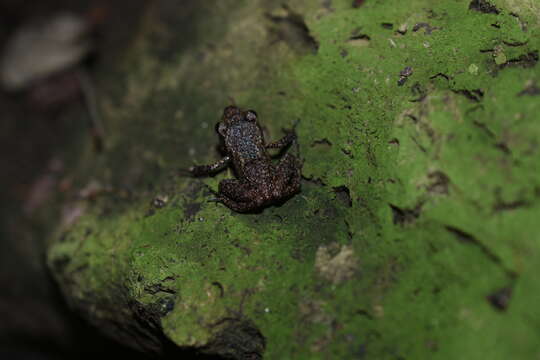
(35, 322)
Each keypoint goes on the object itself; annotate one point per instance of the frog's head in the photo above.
(233, 115)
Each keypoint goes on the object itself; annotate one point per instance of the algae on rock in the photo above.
(415, 234)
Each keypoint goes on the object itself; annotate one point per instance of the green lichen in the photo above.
(418, 210)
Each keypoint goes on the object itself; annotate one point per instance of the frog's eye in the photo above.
(221, 128)
(230, 110)
(251, 115)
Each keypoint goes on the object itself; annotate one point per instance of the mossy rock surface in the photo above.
(416, 232)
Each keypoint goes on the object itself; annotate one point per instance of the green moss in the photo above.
(420, 202)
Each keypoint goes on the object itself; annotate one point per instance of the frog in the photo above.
(259, 182)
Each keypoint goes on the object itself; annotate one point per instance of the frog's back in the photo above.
(245, 142)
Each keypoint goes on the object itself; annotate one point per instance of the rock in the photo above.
(452, 150)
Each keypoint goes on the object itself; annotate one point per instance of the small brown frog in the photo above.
(259, 182)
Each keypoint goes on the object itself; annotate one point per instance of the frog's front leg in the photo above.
(284, 141)
(289, 138)
(203, 170)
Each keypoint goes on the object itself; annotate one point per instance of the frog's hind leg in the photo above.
(241, 207)
(235, 195)
(289, 166)
(233, 189)
(290, 169)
